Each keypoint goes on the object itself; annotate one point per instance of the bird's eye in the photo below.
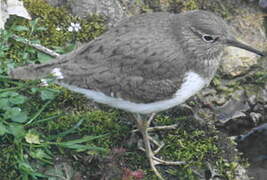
(208, 38)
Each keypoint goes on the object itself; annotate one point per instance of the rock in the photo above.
(233, 109)
(207, 91)
(111, 9)
(250, 29)
(253, 145)
(56, 3)
(237, 61)
(259, 173)
(255, 117)
(262, 3)
(258, 108)
(263, 96)
(252, 99)
(108, 8)
(241, 173)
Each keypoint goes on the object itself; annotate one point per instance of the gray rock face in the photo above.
(250, 28)
(253, 145)
(57, 2)
(111, 9)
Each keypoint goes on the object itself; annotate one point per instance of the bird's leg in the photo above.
(150, 119)
(142, 127)
(168, 127)
(159, 145)
(213, 172)
(153, 160)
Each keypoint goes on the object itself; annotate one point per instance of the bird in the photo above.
(148, 63)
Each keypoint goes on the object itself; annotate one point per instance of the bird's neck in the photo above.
(206, 66)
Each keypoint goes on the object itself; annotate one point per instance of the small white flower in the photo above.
(58, 29)
(57, 73)
(44, 82)
(70, 28)
(74, 27)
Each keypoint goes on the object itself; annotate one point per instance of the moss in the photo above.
(191, 142)
(182, 5)
(8, 162)
(190, 5)
(94, 123)
(57, 21)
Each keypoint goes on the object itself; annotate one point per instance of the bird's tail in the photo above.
(35, 71)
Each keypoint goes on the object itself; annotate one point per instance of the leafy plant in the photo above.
(22, 107)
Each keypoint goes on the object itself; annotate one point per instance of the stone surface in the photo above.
(253, 144)
(242, 174)
(250, 29)
(108, 8)
(112, 10)
(232, 115)
(57, 3)
(237, 62)
(256, 117)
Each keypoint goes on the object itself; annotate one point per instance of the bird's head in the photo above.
(205, 33)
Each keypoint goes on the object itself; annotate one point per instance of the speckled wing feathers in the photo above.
(140, 67)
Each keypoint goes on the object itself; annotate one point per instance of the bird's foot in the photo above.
(143, 127)
(213, 173)
(154, 161)
(158, 161)
(159, 145)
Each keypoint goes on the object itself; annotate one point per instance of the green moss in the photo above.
(197, 147)
(93, 123)
(8, 162)
(183, 5)
(190, 5)
(57, 21)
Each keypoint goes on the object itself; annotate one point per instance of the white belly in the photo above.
(191, 85)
